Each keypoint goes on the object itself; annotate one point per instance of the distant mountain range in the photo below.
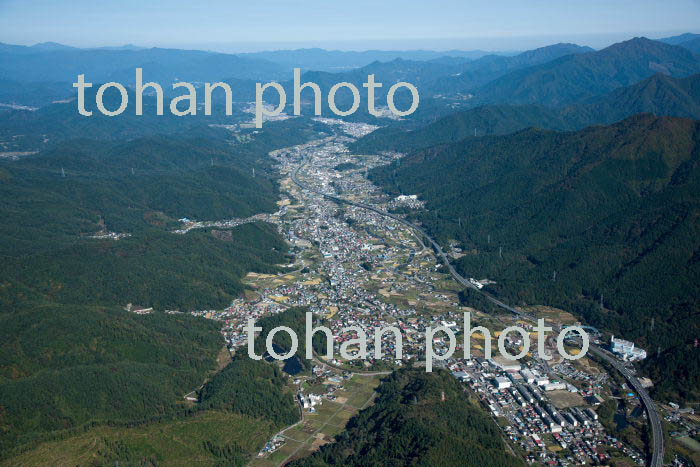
(679, 39)
(563, 86)
(446, 76)
(556, 75)
(692, 45)
(479, 72)
(338, 60)
(50, 61)
(687, 40)
(55, 62)
(574, 78)
(660, 95)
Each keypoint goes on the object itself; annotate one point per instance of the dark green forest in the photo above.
(110, 367)
(419, 418)
(55, 200)
(65, 367)
(58, 122)
(660, 94)
(70, 357)
(295, 319)
(251, 387)
(155, 269)
(604, 215)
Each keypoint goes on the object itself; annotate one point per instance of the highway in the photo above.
(652, 412)
(647, 401)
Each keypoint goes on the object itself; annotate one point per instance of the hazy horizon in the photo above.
(233, 27)
(486, 44)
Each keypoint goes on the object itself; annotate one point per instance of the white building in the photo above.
(626, 350)
(506, 365)
(542, 381)
(309, 401)
(502, 383)
(554, 386)
(528, 375)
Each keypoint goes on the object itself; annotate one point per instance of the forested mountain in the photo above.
(574, 78)
(419, 418)
(58, 198)
(251, 387)
(660, 94)
(679, 39)
(692, 45)
(480, 121)
(472, 75)
(687, 41)
(339, 60)
(613, 210)
(556, 76)
(107, 366)
(33, 95)
(63, 368)
(442, 77)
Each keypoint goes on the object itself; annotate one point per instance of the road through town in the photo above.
(649, 405)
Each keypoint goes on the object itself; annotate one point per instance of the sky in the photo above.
(240, 26)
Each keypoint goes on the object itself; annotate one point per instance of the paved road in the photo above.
(647, 401)
(652, 411)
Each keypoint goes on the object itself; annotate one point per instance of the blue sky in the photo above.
(234, 25)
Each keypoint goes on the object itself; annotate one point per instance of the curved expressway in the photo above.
(652, 412)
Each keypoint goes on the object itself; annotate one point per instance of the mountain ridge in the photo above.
(574, 78)
(609, 208)
(659, 94)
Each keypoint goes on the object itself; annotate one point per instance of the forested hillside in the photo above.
(82, 186)
(104, 366)
(479, 72)
(660, 94)
(32, 130)
(480, 121)
(251, 387)
(573, 78)
(295, 319)
(419, 418)
(139, 188)
(132, 377)
(57, 199)
(567, 218)
(72, 360)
